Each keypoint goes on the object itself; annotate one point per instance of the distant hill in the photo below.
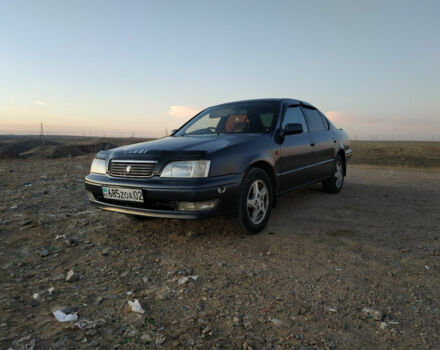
(423, 154)
(16, 147)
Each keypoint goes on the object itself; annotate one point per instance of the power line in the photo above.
(41, 134)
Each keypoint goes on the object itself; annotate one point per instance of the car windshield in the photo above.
(239, 118)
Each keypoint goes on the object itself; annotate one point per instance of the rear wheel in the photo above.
(335, 182)
(255, 202)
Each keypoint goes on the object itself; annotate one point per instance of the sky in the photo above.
(137, 68)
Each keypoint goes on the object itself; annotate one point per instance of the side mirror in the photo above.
(294, 128)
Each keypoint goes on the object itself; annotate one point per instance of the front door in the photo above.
(297, 153)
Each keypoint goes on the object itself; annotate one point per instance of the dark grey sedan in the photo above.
(232, 159)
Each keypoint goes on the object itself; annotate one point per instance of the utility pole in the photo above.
(41, 134)
(166, 131)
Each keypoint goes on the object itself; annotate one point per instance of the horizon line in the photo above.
(155, 138)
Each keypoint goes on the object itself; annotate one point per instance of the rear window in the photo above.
(316, 122)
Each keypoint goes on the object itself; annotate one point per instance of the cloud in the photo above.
(367, 119)
(40, 103)
(183, 111)
(402, 127)
(341, 117)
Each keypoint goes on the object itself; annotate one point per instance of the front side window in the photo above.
(294, 116)
(246, 117)
(314, 120)
(205, 125)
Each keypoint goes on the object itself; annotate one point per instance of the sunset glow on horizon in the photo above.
(140, 68)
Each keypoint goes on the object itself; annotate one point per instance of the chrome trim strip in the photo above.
(129, 161)
(129, 176)
(162, 186)
(305, 167)
(133, 161)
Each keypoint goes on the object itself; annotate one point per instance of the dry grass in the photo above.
(397, 153)
(382, 153)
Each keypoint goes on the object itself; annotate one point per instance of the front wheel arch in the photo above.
(241, 221)
(261, 164)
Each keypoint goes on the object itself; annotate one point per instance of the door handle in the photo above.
(334, 141)
(312, 144)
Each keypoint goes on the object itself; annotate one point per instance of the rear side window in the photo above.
(324, 119)
(294, 116)
(314, 119)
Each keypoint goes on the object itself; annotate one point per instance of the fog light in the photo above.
(197, 206)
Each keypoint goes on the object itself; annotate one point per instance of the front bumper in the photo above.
(161, 195)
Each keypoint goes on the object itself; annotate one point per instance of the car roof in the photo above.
(285, 100)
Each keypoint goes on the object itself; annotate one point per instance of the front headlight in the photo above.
(190, 168)
(98, 166)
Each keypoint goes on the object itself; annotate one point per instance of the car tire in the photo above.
(335, 182)
(254, 203)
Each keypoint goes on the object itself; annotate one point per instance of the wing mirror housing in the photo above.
(293, 128)
(289, 129)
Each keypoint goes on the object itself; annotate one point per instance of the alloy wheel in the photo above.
(339, 174)
(257, 201)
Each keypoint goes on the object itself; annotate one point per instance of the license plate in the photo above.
(123, 194)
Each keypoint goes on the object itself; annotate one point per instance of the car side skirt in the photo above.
(307, 184)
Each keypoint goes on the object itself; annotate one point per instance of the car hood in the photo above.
(184, 147)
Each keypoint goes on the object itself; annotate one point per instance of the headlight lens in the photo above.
(98, 166)
(191, 168)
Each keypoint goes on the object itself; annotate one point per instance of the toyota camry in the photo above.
(233, 159)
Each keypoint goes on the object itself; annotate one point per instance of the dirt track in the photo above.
(303, 281)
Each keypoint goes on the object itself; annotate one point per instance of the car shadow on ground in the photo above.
(362, 212)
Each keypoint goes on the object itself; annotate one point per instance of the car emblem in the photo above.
(128, 168)
(136, 151)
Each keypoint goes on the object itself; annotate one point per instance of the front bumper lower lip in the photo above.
(225, 189)
(152, 212)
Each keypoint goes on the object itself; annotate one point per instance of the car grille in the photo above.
(129, 168)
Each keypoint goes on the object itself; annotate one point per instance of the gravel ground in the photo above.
(355, 270)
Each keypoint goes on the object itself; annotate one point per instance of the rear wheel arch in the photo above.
(341, 153)
(334, 183)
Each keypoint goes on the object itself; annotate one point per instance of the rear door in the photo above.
(297, 155)
(323, 142)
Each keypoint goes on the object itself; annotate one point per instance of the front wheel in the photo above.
(255, 202)
(335, 182)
